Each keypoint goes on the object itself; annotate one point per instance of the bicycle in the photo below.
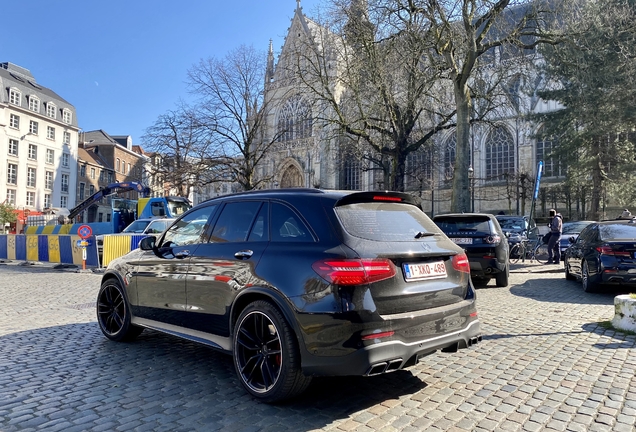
(529, 249)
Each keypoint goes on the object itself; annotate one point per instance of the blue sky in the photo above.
(123, 63)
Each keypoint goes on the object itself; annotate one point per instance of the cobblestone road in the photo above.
(545, 364)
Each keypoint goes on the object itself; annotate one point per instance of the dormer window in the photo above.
(15, 96)
(50, 110)
(67, 116)
(34, 104)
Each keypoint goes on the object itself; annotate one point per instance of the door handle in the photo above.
(182, 254)
(244, 254)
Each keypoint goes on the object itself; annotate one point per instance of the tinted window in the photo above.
(574, 227)
(235, 221)
(587, 234)
(137, 226)
(382, 221)
(157, 227)
(623, 231)
(468, 224)
(260, 230)
(287, 226)
(513, 224)
(191, 229)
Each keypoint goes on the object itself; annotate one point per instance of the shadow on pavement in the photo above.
(166, 381)
(559, 290)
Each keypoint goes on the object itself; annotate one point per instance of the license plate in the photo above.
(462, 240)
(432, 270)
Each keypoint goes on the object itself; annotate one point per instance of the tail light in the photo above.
(493, 239)
(354, 271)
(460, 263)
(608, 250)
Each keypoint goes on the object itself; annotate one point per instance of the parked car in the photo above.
(296, 283)
(481, 236)
(139, 226)
(570, 230)
(603, 254)
(517, 228)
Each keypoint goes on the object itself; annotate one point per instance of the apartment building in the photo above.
(38, 144)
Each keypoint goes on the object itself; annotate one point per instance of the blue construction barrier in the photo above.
(55, 248)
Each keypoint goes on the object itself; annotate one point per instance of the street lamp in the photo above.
(471, 178)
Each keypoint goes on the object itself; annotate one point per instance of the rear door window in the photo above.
(287, 226)
(384, 221)
(235, 221)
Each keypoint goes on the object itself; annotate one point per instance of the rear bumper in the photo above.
(485, 267)
(383, 357)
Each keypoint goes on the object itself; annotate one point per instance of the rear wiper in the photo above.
(421, 234)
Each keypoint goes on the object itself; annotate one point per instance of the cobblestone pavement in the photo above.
(546, 363)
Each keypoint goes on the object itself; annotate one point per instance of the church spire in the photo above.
(269, 72)
(297, 4)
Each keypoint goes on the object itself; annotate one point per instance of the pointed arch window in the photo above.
(450, 154)
(419, 169)
(553, 163)
(500, 154)
(295, 120)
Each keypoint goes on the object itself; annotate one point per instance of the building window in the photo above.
(419, 169)
(31, 177)
(47, 200)
(553, 164)
(11, 196)
(100, 217)
(128, 169)
(450, 154)
(101, 175)
(12, 174)
(50, 110)
(63, 201)
(91, 190)
(13, 147)
(65, 160)
(65, 183)
(93, 173)
(50, 132)
(33, 151)
(110, 177)
(107, 217)
(117, 165)
(50, 156)
(81, 190)
(351, 173)
(33, 127)
(500, 154)
(34, 104)
(15, 96)
(30, 199)
(48, 180)
(295, 120)
(67, 117)
(67, 138)
(82, 170)
(14, 121)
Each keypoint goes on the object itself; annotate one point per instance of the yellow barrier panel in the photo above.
(32, 247)
(54, 249)
(114, 247)
(77, 251)
(31, 230)
(11, 246)
(48, 229)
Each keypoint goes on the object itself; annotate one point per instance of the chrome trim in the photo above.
(448, 335)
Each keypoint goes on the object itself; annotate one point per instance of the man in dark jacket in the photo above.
(556, 228)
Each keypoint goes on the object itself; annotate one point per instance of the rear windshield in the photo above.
(468, 224)
(618, 231)
(381, 221)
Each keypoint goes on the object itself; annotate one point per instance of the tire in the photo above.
(501, 279)
(113, 313)
(568, 275)
(266, 355)
(515, 254)
(541, 253)
(588, 285)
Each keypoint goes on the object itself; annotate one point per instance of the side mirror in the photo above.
(572, 239)
(147, 243)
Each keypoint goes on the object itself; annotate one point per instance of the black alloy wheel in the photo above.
(568, 275)
(113, 313)
(588, 285)
(266, 356)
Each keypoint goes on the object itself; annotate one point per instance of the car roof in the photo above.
(488, 215)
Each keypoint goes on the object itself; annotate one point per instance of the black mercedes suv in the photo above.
(483, 240)
(298, 283)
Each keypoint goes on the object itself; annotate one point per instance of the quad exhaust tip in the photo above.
(384, 367)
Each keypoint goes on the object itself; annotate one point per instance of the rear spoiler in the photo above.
(379, 196)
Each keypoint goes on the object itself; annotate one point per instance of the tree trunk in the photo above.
(597, 182)
(460, 201)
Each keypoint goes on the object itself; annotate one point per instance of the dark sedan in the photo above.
(603, 254)
(298, 283)
(571, 230)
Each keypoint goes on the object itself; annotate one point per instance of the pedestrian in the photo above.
(625, 215)
(556, 228)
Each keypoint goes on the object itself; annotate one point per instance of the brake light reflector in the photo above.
(354, 271)
(460, 263)
(607, 250)
(378, 335)
(386, 198)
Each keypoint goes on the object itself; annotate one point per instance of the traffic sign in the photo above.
(84, 231)
(83, 243)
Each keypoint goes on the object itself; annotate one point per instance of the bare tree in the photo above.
(183, 145)
(231, 106)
